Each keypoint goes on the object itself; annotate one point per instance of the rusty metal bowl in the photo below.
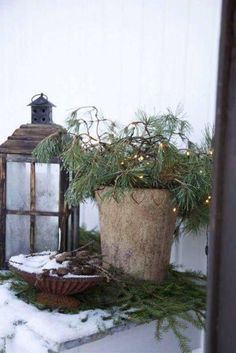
(57, 285)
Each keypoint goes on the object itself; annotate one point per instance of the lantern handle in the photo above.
(39, 94)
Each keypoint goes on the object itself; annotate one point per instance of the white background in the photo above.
(120, 55)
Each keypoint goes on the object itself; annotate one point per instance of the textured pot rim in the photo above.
(98, 192)
(133, 189)
(132, 193)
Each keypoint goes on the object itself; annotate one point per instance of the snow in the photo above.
(40, 262)
(32, 264)
(26, 329)
(26, 341)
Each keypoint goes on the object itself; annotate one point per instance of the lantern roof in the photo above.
(42, 100)
(24, 139)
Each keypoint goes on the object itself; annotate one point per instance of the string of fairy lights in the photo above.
(188, 153)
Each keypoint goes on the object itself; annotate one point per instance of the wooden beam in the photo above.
(221, 313)
(28, 159)
(32, 206)
(2, 210)
(32, 213)
(75, 224)
(63, 209)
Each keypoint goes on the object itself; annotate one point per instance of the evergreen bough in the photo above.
(154, 151)
(177, 302)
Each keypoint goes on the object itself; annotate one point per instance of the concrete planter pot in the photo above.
(137, 232)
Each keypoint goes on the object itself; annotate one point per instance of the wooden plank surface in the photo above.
(27, 137)
(2, 209)
(32, 205)
(32, 213)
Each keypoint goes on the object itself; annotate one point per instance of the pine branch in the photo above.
(150, 152)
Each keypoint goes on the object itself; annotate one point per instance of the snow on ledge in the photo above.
(45, 330)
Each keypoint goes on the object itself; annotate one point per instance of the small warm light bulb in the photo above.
(141, 158)
(209, 197)
(174, 209)
(207, 201)
(210, 152)
(135, 156)
(122, 163)
(161, 145)
(147, 163)
(188, 153)
(201, 171)
(141, 177)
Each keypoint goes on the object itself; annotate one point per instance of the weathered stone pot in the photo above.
(137, 232)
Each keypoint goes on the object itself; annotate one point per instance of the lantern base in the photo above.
(56, 301)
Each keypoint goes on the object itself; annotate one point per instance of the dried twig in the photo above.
(83, 247)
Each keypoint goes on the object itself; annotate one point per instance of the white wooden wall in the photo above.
(119, 55)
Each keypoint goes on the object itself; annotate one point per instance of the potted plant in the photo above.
(148, 179)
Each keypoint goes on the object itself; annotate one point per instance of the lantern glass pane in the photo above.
(46, 233)
(47, 187)
(18, 186)
(17, 235)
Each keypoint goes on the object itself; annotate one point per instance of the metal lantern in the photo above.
(33, 213)
(41, 110)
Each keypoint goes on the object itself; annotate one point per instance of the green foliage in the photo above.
(25, 292)
(5, 275)
(150, 152)
(51, 146)
(85, 236)
(178, 301)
